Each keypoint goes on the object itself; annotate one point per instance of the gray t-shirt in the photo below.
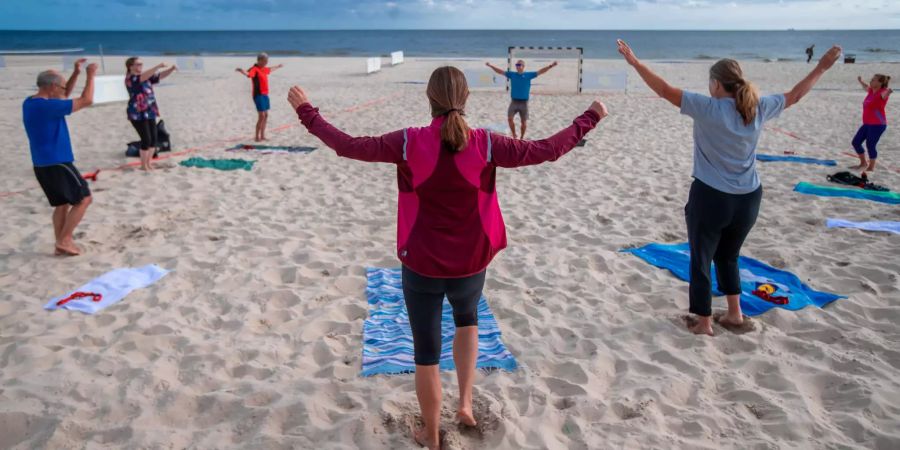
(725, 148)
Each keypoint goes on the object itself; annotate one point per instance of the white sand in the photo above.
(254, 340)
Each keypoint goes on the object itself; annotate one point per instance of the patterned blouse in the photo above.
(142, 103)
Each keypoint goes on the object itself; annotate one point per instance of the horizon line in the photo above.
(441, 29)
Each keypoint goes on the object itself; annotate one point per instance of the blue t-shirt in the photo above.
(521, 84)
(48, 134)
(725, 148)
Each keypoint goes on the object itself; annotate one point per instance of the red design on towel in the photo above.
(94, 296)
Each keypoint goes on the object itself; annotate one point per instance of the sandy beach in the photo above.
(254, 339)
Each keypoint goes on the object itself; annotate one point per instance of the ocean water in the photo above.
(867, 45)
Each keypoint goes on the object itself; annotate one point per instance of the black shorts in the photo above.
(425, 303)
(62, 184)
(147, 130)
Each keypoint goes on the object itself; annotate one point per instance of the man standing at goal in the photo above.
(520, 80)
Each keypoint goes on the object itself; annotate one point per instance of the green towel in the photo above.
(219, 164)
(892, 198)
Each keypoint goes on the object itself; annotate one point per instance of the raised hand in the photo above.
(830, 57)
(297, 97)
(78, 63)
(598, 107)
(91, 69)
(626, 51)
(162, 65)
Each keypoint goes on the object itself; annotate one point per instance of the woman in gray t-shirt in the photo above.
(725, 196)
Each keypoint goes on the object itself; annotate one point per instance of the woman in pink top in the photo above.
(874, 119)
(449, 225)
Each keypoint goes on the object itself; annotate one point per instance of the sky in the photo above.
(447, 14)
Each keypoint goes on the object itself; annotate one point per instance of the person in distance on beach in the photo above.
(874, 119)
(449, 222)
(726, 193)
(520, 91)
(142, 107)
(259, 74)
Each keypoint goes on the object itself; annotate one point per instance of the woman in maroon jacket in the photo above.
(449, 224)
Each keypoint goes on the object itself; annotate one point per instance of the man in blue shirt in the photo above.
(520, 82)
(44, 115)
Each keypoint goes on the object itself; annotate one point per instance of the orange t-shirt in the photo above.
(260, 77)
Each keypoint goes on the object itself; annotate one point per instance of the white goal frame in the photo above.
(546, 52)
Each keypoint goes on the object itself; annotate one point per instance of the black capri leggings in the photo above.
(717, 224)
(146, 129)
(425, 300)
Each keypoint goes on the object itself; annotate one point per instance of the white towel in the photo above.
(890, 227)
(113, 286)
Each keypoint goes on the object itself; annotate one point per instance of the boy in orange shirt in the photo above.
(259, 74)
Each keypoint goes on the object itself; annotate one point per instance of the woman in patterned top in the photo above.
(142, 108)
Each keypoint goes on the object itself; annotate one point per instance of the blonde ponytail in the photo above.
(746, 100)
(746, 97)
(454, 131)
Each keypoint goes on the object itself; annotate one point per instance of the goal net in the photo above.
(564, 78)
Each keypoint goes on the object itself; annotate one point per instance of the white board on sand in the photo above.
(484, 79)
(396, 58)
(109, 89)
(605, 80)
(373, 65)
(189, 63)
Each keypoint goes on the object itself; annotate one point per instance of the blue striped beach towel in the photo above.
(387, 338)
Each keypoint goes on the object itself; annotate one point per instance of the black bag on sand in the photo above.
(163, 140)
(853, 180)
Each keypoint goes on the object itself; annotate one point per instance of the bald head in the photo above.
(49, 78)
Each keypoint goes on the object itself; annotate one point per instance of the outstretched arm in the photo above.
(167, 72)
(149, 73)
(509, 152)
(547, 69)
(862, 83)
(274, 68)
(887, 93)
(73, 79)
(242, 72)
(385, 148)
(87, 96)
(805, 85)
(496, 69)
(654, 81)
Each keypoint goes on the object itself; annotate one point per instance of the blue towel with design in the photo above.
(795, 159)
(763, 287)
(387, 338)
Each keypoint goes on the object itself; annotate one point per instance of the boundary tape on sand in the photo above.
(801, 139)
(219, 143)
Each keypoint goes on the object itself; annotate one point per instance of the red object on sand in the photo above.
(778, 300)
(788, 152)
(75, 296)
(91, 176)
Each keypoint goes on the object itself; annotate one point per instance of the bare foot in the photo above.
(421, 438)
(871, 167)
(465, 417)
(727, 320)
(736, 325)
(698, 327)
(67, 249)
(859, 166)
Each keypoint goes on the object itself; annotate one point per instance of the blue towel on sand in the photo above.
(796, 159)
(891, 198)
(890, 227)
(754, 275)
(387, 339)
(113, 286)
